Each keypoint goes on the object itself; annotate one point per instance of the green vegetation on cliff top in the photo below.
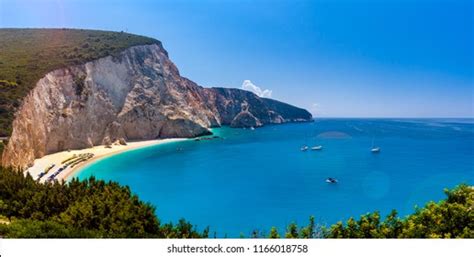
(26, 55)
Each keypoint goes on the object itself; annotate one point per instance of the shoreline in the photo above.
(99, 152)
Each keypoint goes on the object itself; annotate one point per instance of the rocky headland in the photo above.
(136, 95)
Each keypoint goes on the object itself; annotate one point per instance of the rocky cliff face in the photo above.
(137, 95)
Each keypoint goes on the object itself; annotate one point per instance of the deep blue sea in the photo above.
(256, 179)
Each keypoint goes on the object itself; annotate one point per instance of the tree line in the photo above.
(452, 217)
(97, 209)
(77, 209)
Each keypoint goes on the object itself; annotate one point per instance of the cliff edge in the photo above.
(136, 95)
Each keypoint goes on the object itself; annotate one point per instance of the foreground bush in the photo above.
(90, 208)
(449, 218)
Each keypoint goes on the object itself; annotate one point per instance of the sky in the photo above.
(336, 58)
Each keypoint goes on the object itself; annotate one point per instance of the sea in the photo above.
(247, 180)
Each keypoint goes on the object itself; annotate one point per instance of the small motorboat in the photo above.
(316, 148)
(304, 148)
(252, 128)
(331, 180)
(375, 149)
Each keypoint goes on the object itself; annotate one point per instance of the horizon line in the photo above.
(387, 117)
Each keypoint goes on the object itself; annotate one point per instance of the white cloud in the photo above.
(315, 109)
(249, 86)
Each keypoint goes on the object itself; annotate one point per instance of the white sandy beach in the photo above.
(99, 152)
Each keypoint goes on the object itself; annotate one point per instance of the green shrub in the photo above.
(90, 208)
(449, 218)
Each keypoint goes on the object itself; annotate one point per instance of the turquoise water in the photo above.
(255, 179)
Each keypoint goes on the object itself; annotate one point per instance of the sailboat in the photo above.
(305, 146)
(374, 149)
(316, 148)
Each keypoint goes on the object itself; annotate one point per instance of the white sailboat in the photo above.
(316, 147)
(305, 146)
(374, 149)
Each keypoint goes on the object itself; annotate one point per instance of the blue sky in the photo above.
(338, 58)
